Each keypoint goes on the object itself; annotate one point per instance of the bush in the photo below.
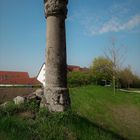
(11, 108)
(80, 78)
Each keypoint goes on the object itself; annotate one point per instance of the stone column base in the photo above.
(57, 98)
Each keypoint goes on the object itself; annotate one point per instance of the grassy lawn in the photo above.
(119, 113)
(96, 114)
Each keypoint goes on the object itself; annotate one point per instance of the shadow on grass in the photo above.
(90, 127)
(53, 126)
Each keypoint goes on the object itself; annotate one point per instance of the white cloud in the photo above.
(133, 22)
(115, 18)
(116, 25)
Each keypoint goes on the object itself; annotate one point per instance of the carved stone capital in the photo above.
(55, 7)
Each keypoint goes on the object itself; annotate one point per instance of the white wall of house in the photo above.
(41, 75)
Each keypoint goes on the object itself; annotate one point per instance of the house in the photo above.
(70, 68)
(41, 74)
(14, 78)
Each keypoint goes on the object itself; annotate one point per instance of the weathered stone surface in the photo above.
(57, 99)
(55, 7)
(56, 68)
(39, 92)
(19, 100)
(56, 91)
(31, 96)
(43, 102)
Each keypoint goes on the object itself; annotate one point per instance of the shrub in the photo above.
(8, 109)
(32, 105)
(80, 78)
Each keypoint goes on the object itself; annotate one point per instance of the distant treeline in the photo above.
(101, 73)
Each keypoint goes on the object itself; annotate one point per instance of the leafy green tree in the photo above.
(128, 79)
(102, 69)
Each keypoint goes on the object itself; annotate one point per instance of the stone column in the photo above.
(56, 91)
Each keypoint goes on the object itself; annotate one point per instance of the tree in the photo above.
(136, 81)
(114, 55)
(126, 77)
(102, 69)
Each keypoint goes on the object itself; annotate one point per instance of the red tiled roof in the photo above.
(13, 74)
(21, 81)
(73, 68)
(9, 77)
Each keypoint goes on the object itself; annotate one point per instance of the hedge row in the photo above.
(80, 78)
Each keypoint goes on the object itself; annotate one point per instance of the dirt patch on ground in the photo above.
(26, 115)
(9, 93)
(128, 120)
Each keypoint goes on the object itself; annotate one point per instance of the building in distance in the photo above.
(70, 68)
(15, 78)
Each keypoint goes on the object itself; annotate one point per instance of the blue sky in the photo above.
(90, 26)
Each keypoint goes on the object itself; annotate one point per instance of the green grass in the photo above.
(96, 114)
(119, 113)
(50, 126)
